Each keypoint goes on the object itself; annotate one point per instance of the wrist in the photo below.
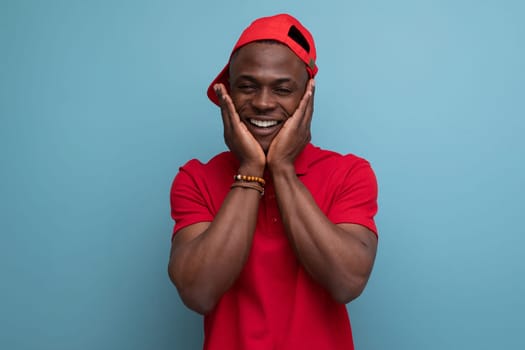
(282, 169)
(251, 169)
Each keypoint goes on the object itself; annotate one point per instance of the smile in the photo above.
(263, 123)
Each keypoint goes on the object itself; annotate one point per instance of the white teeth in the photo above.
(263, 123)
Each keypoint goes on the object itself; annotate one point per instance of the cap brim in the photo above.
(222, 78)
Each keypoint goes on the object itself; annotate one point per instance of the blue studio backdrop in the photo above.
(102, 101)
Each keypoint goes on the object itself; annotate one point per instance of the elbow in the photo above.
(195, 298)
(197, 302)
(346, 292)
(344, 297)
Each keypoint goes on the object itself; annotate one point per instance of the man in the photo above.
(274, 237)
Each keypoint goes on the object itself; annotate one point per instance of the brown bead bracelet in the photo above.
(252, 185)
(249, 178)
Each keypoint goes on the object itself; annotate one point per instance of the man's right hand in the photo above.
(238, 138)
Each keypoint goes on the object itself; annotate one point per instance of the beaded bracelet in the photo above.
(249, 178)
(254, 186)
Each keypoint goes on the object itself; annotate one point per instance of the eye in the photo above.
(283, 91)
(246, 88)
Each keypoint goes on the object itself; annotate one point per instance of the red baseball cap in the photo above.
(282, 28)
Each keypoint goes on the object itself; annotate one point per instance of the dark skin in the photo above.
(266, 115)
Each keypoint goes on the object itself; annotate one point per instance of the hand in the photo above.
(295, 133)
(238, 138)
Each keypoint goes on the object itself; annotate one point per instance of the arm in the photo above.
(206, 258)
(339, 257)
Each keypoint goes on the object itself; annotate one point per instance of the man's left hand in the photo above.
(295, 133)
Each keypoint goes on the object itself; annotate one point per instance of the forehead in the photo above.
(267, 60)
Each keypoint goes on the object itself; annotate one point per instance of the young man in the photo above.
(274, 237)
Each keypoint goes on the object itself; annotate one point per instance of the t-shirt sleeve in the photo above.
(356, 199)
(188, 203)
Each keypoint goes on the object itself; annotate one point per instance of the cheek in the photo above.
(235, 98)
(241, 104)
(290, 105)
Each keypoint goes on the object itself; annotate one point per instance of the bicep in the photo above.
(366, 237)
(182, 240)
(186, 235)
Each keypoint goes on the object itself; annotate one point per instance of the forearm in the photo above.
(208, 261)
(334, 256)
(205, 266)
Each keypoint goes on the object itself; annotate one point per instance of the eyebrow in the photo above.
(276, 82)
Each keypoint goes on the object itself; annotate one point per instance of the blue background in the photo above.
(102, 101)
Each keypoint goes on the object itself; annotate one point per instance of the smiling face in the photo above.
(267, 82)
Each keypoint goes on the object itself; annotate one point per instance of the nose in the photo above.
(263, 100)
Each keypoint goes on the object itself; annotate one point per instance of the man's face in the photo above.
(267, 82)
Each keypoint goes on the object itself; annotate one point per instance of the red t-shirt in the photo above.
(275, 304)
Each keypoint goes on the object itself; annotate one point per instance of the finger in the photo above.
(234, 117)
(219, 90)
(310, 105)
(231, 118)
(299, 113)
